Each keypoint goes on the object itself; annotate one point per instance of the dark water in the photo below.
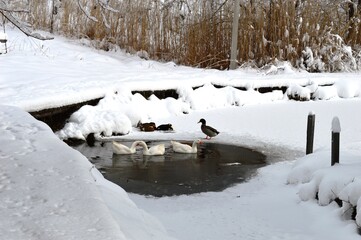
(214, 168)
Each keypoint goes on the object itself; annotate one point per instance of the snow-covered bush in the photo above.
(311, 63)
(357, 55)
(298, 92)
(330, 54)
(143, 54)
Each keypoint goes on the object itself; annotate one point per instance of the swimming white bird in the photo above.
(185, 148)
(119, 148)
(152, 151)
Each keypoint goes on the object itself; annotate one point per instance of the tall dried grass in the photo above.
(198, 32)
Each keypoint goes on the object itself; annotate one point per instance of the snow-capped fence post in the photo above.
(335, 148)
(310, 132)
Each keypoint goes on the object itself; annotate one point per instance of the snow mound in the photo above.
(298, 92)
(304, 168)
(329, 182)
(325, 93)
(319, 180)
(93, 120)
(348, 89)
(50, 191)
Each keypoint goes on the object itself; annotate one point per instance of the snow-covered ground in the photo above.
(50, 191)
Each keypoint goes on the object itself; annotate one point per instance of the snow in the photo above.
(46, 186)
(348, 89)
(299, 92)
(336, 126)
(40, 195)
(3, 36)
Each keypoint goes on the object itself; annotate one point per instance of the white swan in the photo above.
(185, 148)
(119, 148)
(154, 150)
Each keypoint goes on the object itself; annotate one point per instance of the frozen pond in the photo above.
(214, 168)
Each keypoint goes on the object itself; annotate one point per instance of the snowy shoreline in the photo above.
(56, 116)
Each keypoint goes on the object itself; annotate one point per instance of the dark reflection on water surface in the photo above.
(214, 168)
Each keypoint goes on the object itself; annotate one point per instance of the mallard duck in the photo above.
(185, 148)
(152, 151)
(208, 130)
(165, 127)
(119, 148)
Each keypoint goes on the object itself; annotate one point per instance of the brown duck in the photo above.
(146, 127)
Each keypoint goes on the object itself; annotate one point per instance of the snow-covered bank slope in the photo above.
(31, 68)
(50, 191)
(263, 208)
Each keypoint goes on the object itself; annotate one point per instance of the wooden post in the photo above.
(335, 144)
(4, 38)
(310, 132)
(233, 63)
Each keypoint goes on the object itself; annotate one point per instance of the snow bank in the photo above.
(304, 168)
(320, 180)
(325, 93)
(348, 89)
(120, 110)
(50, 191)
(117, 112)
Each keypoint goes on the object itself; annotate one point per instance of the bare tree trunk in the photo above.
(350, 37)
(358, 38)
(53, 12)
(234, 46)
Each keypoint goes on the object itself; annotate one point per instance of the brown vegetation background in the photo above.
(198, 32)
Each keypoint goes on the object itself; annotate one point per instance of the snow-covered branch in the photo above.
(105, 21)
(105, 5)
(87, 14)
(5, 8)
(21, 26)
